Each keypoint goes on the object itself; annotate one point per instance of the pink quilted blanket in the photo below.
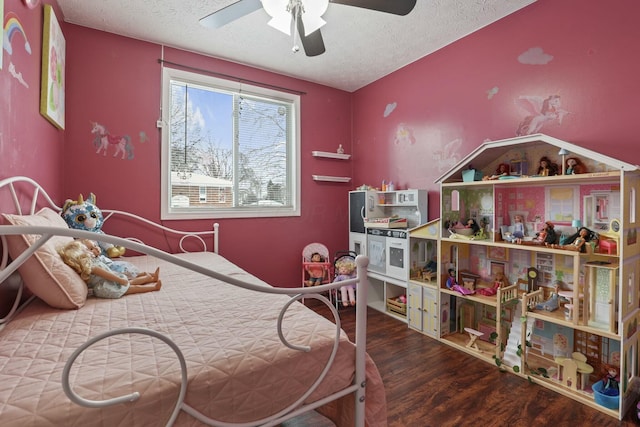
(238, 369)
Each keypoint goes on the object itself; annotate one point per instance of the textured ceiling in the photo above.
(362, 45)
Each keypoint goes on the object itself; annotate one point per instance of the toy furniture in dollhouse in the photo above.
(468, 280)
(575, 301)
(608, 246)
(428, 276)
(473, 336)
(610, 239)
(519, 167)
(570, 367)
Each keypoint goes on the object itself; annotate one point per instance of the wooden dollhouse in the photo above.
(566, 312)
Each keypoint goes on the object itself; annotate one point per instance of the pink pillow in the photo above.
(45, 274)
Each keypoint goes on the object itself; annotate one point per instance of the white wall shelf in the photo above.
(330, 155)
(331, 178)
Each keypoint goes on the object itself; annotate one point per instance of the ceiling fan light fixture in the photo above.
(312, 15)
(281, 22)
(281, 12)
(312, 23)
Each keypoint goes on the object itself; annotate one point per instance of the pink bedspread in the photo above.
(238, 369)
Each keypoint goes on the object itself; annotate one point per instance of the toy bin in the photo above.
(610, 402)
(396, 306)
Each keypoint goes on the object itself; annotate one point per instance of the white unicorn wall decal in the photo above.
(103, 139)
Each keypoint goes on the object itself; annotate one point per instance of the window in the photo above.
(562, 205)
(228, 149)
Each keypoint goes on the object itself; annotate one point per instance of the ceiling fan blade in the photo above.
(313, 44)
(230, 13)
(397, 7)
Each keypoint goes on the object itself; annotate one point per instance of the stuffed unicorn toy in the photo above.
(85, 215)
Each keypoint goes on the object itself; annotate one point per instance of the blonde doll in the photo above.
(346, 270)
(82, 256)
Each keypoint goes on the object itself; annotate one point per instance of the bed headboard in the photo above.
(21, 196)
(24, 196)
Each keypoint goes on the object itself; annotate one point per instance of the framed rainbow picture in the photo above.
(52, 87)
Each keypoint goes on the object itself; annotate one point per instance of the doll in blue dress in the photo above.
(103, 281)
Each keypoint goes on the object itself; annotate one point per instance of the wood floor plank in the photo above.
(429, 383)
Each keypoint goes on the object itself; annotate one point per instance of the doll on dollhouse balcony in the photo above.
(503, 169)
(547, 167)
(574, 166)
(578, 241)
(547, 236)
(499, 281)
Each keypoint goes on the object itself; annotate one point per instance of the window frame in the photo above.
(167, 212)
(573, 201)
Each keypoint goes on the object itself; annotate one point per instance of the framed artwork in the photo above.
(497, 253)
(489, 313)
(52, 86)
(497, 267)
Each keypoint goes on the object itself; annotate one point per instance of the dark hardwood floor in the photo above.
(431, 384)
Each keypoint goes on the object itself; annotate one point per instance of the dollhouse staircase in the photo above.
(511, 357)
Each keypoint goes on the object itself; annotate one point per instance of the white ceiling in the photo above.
(362, 45)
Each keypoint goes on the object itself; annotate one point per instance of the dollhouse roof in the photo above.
(430, 229)
(488, 152)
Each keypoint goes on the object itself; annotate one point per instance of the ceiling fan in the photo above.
(305, 15)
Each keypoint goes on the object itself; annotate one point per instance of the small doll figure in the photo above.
(316, 270)
(498, 282)
(611, 382)
(547, 167)
(84, 257)
(452, 283)
(574, 166)
(473, 225)
(346, 270)
(553, 303)
(547, 236)
(503, 169)
(577, 241)
(518, 228)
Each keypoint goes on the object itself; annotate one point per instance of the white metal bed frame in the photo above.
(8, 267)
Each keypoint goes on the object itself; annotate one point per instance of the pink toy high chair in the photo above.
(307, 252)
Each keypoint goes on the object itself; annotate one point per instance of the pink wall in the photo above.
(446, 104)
(116, 81)
(455, 99)
(29, 144)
